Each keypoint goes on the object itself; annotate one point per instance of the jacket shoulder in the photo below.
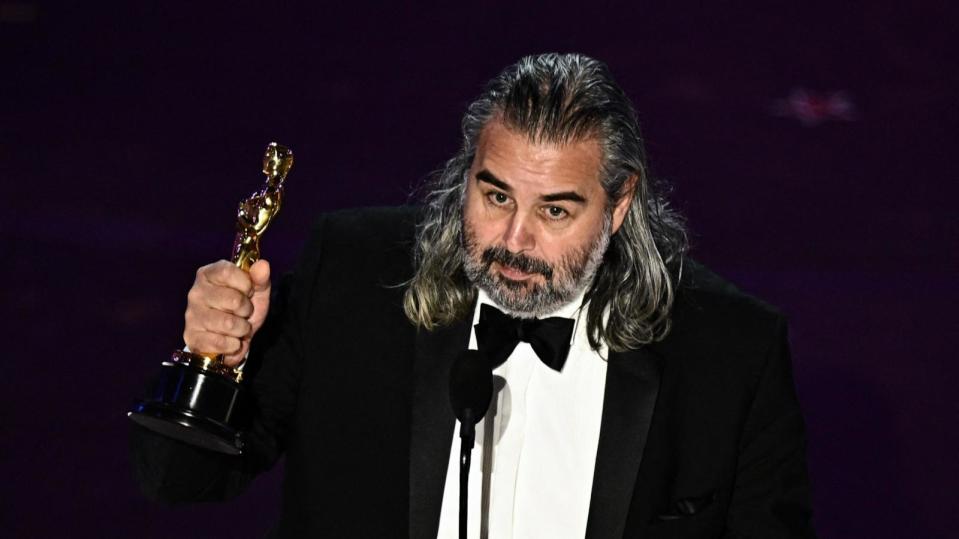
(703, 291)
(370, 225)
(362, 241)
(714, 319)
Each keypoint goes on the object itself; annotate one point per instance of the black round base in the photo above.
(196, 407)
(178, 425)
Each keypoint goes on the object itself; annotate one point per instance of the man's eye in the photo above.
(498, 198)
(555, 212)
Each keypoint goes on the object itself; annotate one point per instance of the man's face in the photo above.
(536, 220)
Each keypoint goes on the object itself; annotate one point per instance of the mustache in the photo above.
(524, 263)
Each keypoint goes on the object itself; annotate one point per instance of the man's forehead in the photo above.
(515, 153)
(497, 131)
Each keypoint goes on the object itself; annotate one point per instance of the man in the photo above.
(665, 407)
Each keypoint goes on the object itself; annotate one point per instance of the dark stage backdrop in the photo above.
(811, 147)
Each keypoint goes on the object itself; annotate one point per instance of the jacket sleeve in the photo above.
(771, 497)
(174, 472)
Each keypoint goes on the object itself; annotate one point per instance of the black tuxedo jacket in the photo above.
(701, 433)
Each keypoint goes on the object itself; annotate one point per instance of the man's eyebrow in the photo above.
(565, 195)
(487, 176)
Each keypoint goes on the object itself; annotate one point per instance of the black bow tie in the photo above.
(497, 334)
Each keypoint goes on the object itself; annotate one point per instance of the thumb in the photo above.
(260, 275)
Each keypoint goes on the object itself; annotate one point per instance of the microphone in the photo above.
(471, 389)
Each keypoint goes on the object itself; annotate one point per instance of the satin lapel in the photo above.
(632, 386)
(431, 423)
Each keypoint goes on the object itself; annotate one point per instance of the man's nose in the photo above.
(518, 236)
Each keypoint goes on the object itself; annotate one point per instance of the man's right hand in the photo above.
(225, 307)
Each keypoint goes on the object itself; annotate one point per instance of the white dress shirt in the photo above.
(535, 478)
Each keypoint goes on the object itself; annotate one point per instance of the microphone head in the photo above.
(471, 386)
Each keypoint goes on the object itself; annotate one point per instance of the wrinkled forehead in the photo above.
(560, 127)
(515, 155)
(498, 134)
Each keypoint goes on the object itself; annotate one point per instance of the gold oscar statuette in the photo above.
(198, 398)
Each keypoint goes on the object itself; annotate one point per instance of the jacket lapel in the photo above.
(632, 387)
(431, 428)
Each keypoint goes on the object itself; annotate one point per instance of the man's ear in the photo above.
(624, 202)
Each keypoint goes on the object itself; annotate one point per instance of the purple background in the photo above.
(128, 133)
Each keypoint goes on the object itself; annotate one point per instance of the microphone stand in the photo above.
(467, 439)
(471, 387)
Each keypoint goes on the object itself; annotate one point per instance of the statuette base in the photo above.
(194, 406)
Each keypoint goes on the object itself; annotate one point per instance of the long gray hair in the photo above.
(560, 98)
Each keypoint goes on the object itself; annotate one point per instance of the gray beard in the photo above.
(562, 283)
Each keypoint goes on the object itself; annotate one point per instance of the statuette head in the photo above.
(277, 162)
